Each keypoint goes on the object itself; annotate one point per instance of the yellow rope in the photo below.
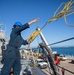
(67, 9)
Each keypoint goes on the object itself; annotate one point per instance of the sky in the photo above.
(24, 11)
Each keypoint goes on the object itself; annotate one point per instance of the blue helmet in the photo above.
(3, 42)
(17, 24)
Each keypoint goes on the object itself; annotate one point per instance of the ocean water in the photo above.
(61, 50)
(64, 50)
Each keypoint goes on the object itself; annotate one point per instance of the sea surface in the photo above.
(64, 50)
(61, 50)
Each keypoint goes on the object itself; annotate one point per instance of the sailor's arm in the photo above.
(25, 26)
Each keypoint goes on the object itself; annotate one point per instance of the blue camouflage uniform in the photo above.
(12, 56)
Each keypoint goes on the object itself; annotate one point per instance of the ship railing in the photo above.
(63, 69)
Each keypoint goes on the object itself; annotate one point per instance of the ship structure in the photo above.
(3, 37)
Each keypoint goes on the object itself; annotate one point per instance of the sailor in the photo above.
(57, 62)
(3, 48)
(63, 71)
(12, 56)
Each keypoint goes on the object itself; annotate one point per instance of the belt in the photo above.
(13, 46)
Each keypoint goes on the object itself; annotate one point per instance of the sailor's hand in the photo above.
(27, 41)
(36, 20)
(33, 21)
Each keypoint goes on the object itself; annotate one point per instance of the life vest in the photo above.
(62, 70)
(57, 61)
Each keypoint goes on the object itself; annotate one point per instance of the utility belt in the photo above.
(13, 46)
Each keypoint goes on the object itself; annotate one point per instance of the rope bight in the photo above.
(66, 11)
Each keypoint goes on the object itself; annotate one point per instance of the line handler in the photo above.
(12, 56)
